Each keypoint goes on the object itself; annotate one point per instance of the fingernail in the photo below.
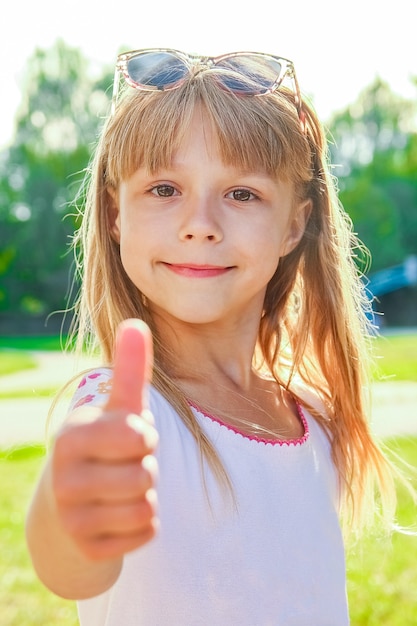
(136, 422)
(142, 427)
(147, 415)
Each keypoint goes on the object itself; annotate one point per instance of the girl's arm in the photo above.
(95, 499)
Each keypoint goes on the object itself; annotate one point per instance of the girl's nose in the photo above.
(200, 220)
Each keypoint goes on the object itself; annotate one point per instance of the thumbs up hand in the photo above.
(103, 471)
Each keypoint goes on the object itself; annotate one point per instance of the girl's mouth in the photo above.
(191, 270)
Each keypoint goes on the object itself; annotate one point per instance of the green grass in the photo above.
(396, 357)
(15, 351)
(40, 342)
(16, 355)
(23, 600)
(382, 576)
(25, 394)
(15, 361)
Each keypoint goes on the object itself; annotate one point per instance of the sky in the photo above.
(338, 48)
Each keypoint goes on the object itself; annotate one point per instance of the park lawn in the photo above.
(382, 577)
(382, 573)
(15, 361)
(15, 352)
(29, 393)
(23, 600)
(396, 357)
(31, 343)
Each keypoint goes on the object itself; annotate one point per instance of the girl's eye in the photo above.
(163, 191)
(242, 195)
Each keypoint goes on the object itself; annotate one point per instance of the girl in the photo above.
(212, 218)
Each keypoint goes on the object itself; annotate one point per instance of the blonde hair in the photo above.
(315, 308)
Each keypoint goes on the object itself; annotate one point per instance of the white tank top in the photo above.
(276, 558)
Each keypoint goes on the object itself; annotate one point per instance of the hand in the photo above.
(103, 469)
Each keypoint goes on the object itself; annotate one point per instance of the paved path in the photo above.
(23, 421)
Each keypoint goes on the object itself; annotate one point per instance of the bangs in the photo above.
(253, 135)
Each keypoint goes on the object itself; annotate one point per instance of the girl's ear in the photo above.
(297, 226)
(113, 213)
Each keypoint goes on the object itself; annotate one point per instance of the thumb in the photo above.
(132, 367)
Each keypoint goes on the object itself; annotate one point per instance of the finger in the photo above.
(95, 520)
(132, 368)
(111, 532)
(111, 547)
(104, 440)
(107, 482)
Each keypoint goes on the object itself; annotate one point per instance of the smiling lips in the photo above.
(191, 270)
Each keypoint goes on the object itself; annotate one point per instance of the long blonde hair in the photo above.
(315, 308)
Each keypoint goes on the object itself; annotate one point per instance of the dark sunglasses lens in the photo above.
(160, 70)
(249, 74)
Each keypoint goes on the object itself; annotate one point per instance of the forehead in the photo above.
(153, 133)
(202, 141)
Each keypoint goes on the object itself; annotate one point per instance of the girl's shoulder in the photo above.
(93, 388)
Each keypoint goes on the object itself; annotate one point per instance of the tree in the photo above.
(57, 126)
(375, 140)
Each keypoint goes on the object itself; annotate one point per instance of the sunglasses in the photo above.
(243, 73)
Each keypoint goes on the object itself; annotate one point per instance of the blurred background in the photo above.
(356, 63)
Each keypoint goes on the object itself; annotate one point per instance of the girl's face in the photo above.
(201, 239)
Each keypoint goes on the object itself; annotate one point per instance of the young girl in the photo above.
(212, 220)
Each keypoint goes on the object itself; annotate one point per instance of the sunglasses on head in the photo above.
(243, 73)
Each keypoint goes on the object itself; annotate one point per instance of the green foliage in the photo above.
(40, 175)
(39, 342)
(375, 142)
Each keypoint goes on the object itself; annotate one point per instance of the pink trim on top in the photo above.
(274, 442)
